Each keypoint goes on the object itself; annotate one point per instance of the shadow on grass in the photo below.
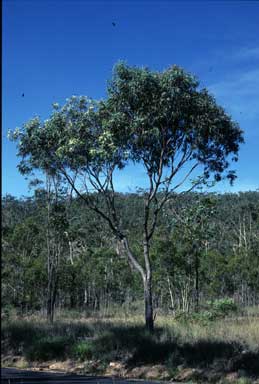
(136, 347)
(41, 341)
(130, 344)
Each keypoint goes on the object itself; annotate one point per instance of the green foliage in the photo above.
(224, 306)
(216, 309)
(202, 317)
(228, 268)
(144, 109)
(48, 348)
(244, 380)
(149, 108)
(19, 334)
(83, 350)
(213, 311)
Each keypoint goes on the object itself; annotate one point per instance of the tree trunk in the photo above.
(146, 278)
(148, 304)
(52, 293)
(197, 288)
(50, 311)
(171, 293)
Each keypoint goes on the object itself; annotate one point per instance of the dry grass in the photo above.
(242, 329)
(175, 343)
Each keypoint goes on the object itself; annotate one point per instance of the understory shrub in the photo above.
(83, 350)
(224, 306)
(48, 348)
(211, 311)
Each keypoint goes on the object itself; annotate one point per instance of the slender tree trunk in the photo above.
(170, 293)
(50, 306)
(52, 293)
(85, 297)
(197, 287)
(146, 278)
(50, 312)
(73, 291)
(149, 319)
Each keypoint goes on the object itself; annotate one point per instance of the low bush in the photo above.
(20, 334)
(48, 348)
(224, 306)
(211, 311)
(202, 317)
(83, 350)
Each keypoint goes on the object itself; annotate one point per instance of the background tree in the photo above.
(99, 282)
(191, 225)
(23, 271)
(56, 238)
(160, 120)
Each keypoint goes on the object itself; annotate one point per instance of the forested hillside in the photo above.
(60, 255)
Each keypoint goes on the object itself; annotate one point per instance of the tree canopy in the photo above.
(161, 119)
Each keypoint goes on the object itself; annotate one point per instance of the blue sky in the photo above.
(55, 49)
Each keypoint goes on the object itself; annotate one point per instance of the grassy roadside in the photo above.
(223, 350)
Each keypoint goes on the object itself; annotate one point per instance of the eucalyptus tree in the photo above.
(22, 262)
(56, 239)
(161, 120)
(193, 226)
